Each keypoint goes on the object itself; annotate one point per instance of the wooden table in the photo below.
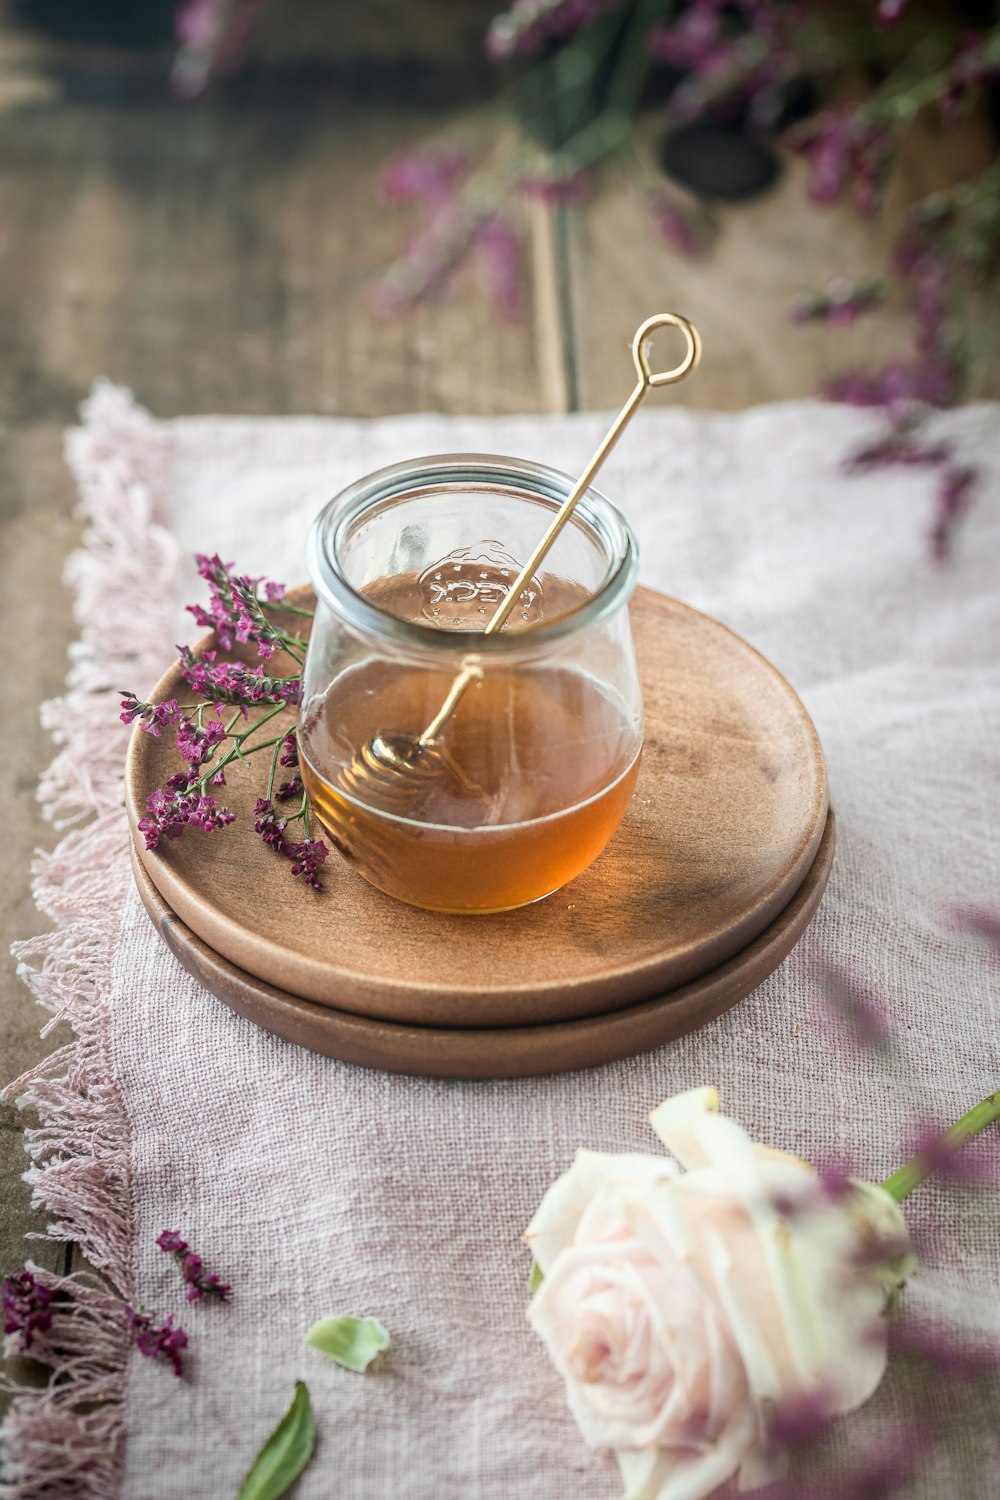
(215, 257)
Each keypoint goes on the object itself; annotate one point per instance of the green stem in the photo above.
(274, 766)
(287, 609)
(912, 1173)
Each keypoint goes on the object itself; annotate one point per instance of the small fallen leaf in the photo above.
(352, 1342)
(286, 1452)
(536, 1278)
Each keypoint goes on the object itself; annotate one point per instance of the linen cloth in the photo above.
(317, 1187)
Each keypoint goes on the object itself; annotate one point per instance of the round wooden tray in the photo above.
(726, 823)
(502, 1052)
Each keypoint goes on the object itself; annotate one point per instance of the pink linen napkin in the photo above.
(316, 1187)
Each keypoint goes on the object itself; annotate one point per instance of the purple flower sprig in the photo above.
(157, 1340)
(208, 740)
(27, 1307)
(198, 1283)
(236, 610)
(307, 854)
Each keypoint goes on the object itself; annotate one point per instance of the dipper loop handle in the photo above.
(649, 379)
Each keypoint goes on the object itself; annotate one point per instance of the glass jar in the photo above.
(536, 763)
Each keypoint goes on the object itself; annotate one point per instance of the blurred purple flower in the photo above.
(499, 253)
(528, 25)
(565, 190)
(978, 919)
(213, 37)
(27, 1307)
(841, 303)
(954, 497)
(933, 381)
(949, 1354)
(841, 146)
(682, 231)
(897, 448)
(946, 1159)
(430, 178)
(846, 998)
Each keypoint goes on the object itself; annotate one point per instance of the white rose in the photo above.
(683, 1309)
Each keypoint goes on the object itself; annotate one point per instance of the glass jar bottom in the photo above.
(533, 773)
(470, 870)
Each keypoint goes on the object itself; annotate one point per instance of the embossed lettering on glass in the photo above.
(536, 764)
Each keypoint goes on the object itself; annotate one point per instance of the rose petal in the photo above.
(557, 1217)
(676, 1121)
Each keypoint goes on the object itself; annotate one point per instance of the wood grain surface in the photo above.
(727, 817)
(214, 259)
(508, 1052)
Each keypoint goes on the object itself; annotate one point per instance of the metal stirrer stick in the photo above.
(391, 763)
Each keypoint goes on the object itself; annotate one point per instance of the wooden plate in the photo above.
(729, 811)
(503, 1052)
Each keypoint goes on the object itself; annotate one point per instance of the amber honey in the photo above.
(541, 766)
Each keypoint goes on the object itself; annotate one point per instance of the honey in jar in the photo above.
(539, 770)
(538, 761)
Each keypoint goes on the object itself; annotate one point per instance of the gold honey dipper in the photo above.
(389, 767)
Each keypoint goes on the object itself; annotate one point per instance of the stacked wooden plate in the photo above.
(717, 869)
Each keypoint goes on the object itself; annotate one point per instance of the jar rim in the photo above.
(471, 471)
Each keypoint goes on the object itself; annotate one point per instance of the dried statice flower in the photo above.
(171, 810)
(289, 756)
(198, 1283)
(289, 789)
(27, 1307)
(231, 682)
(153, 717)
(234, 611)
(157, 1341)
(268, 825)
(306, 856)
(198, 743)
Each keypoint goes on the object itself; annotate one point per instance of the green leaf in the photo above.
(286, 1452)
(352, 1342)
(537, 1277)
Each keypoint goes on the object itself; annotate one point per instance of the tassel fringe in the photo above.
(68, 1438)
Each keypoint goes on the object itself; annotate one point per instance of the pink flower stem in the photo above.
(913, 1172)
